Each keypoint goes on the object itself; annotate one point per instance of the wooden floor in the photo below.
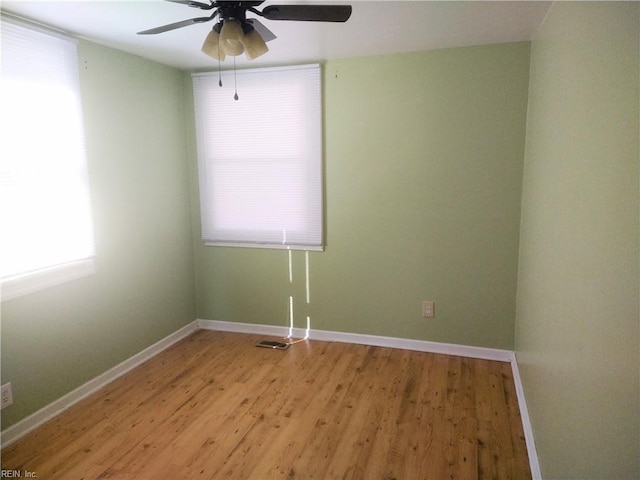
(215, 406)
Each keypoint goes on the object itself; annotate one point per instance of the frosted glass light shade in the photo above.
(254, 45)
(212, 47)
(231, 38)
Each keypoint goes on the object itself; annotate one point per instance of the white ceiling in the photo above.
(375, 27)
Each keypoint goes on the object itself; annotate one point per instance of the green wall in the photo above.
(577, 333)
(57, 339)
(423, 171)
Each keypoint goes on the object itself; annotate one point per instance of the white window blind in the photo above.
(45, 213)
(260, 157)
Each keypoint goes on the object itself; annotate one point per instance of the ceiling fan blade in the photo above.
(308, 13)
(266, 34)
(173, 26)
(193, 3)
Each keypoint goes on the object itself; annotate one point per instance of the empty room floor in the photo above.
(215, 406)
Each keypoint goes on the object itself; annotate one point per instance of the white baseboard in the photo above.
(255, 328)
(45, 414)
(536, 473)
(375, 340)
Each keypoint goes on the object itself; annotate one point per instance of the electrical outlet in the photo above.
(6, 395)
(427, 309)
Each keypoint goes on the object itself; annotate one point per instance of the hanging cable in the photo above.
(306, 275)
(308, 291)
(289, 337)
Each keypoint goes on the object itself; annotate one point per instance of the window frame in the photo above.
(39, 278)
(315, 163)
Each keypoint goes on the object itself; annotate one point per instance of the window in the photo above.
(45, 213)
(260, 157)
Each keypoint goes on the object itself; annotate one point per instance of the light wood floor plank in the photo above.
(214, 406)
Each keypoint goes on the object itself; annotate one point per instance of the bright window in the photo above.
(260, 157)
(45, 213)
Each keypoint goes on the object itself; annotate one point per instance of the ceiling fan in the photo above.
(235, 34)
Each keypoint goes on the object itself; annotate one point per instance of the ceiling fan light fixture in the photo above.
(211, 45)
(231, 37)
(254, 45)
(234, 34)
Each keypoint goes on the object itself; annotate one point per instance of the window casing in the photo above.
(260, 157)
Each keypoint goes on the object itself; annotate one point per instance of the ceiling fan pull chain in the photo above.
(219, 68)
(235, 81)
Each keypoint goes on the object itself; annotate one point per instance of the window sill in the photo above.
(20, 285)
(273, 246)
